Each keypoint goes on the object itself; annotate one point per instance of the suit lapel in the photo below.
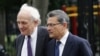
(68, 46)
(51, 48)
(39, 42)
(20, 45)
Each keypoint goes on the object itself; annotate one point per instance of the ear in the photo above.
(35, 22)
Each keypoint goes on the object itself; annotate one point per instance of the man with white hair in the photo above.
(33, 39)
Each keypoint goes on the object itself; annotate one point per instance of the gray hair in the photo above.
(61, 15)
(33, 12)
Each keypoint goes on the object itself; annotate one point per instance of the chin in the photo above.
(23, 33)
(51, 36)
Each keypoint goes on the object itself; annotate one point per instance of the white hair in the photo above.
(33, 12)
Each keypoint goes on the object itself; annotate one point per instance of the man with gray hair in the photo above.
(64, 43)
(33, 39)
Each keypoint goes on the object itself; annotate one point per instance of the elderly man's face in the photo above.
(54, 28)
(25, 23)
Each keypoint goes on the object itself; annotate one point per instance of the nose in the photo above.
(20, 26)
(48, 28)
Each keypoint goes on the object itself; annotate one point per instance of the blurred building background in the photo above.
(84, 17)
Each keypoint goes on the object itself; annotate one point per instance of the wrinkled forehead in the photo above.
(24, 12)
(24, 15)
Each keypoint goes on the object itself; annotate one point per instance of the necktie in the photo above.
(29, 49)
(57, 48)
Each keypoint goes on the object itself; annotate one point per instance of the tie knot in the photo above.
(29, 36)
(57, 48)
(58, 43)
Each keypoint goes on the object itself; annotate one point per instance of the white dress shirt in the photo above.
(63, 42)
(33, 43)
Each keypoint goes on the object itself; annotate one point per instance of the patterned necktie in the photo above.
(29, 49)
(57, 48)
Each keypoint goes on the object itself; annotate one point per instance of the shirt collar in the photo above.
(64, 38)
(34, 34)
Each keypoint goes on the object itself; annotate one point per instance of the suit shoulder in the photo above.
(17, 41)
(79, 39)
(19, 37)
(42, 29)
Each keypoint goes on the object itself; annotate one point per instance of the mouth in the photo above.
(50, 32)
(22, 30)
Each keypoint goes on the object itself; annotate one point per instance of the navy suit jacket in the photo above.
(42, 40)
(75, 46)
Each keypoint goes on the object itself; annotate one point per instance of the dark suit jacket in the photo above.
(75, 46)
(42, 40)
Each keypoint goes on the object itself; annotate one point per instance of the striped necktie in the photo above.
(57, 48)
(29, 48)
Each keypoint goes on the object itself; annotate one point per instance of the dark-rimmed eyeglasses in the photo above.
(51, 24)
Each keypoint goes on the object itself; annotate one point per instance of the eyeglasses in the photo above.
(52, 24)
